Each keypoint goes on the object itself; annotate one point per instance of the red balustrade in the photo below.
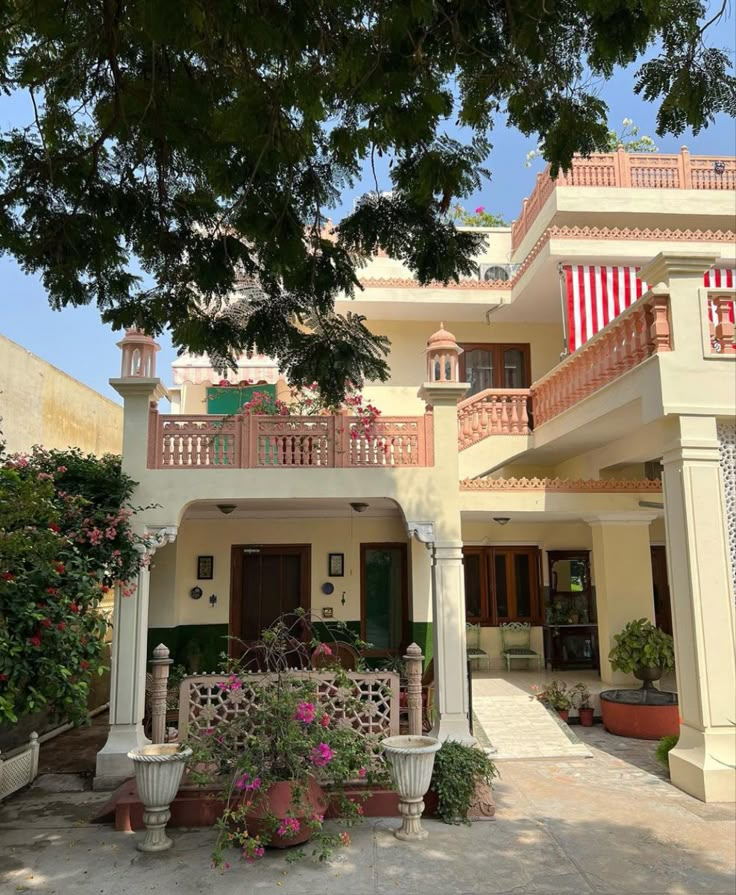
(499, 411)
(184, 441)
(680, 171)
(638, 333)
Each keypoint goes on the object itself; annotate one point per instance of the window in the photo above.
(502, 584)
(495, 366)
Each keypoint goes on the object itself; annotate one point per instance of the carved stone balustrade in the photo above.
(500, 411)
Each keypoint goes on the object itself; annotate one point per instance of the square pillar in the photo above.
(622, 572)
(128, 676)
(449, 643)
(704, 761)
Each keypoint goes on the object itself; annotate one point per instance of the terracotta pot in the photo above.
(586, 716)
(278, 800)
(564, 714)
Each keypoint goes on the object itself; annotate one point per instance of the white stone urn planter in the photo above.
(411, 759)
(158, 772)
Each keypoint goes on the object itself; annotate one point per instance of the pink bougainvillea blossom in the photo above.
(321, 755)
(305, 712)
(362, 772)
(246, 784)
(324, 721)
(289, 826)
(323, 650)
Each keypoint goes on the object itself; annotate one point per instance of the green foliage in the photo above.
(478, 218)
(458, 769)
(580, 695)
(206, 141)
(642, 645)
(65, 537)
(628, 137)
(664, 747)
(555, 695)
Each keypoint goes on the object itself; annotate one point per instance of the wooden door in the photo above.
(267, 582)
(661, 587)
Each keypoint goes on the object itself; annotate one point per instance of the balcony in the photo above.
(622, 169)
(186, 441)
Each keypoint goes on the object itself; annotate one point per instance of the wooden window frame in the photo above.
(498, 349)
(383, 545)
(490, 616)
(236, 582)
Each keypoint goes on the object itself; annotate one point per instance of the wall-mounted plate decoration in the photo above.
(196, 593)
(328, 587)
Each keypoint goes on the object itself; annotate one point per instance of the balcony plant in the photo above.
(555, 695)
(645, 651)
(286, 760)
(580, 696)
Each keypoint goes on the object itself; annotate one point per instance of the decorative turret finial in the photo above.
(139, 355)
(442, 356)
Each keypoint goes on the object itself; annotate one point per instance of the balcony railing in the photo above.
(639, 332)
(500, 411)
(624, 169)
(183, 441)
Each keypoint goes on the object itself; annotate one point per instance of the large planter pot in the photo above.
(411, 759)
(279, 801)
(645, 714)
(158, 772)
(564, 714)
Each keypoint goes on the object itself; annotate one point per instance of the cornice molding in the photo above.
(596, 486)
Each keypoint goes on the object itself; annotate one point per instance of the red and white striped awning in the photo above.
(597, 294)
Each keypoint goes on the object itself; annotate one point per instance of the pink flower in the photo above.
(345, 839)
(323, 650)
(362, 772)
(480, 209)
(61, 469)
(289, 826)
(305, 712)
(259, 852)
(245, 784)
(324, 721)
(321, 755)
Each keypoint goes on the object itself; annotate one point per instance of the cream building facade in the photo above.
(509, 478)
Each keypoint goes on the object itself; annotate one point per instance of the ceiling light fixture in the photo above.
(226, 508)
(502, 520)
(359, 507)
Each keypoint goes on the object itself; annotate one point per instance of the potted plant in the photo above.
(580, 695)
(285, 760)
(645, 651)
(644, 713)
(555, 696)
(459, 771)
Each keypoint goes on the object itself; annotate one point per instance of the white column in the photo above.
(704, 761)
(128, 675)
(448, 630)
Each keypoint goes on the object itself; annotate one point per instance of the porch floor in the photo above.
(519, 726)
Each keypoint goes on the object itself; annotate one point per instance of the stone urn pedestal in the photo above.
(158, 772)
(411, 759)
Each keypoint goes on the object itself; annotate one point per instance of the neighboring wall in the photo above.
(40, 404)
(408, 360)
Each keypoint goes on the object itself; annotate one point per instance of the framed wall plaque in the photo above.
(336, 565)
(205, 568)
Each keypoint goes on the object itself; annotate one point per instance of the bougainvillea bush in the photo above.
(286, 736)
(65, 540)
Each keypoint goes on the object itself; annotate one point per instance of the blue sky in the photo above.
(77, 342)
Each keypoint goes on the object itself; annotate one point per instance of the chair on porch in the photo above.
(341, 653)
(473, 650)
(516, 638)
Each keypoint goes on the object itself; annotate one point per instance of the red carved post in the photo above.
(429, 435)
(154, 437)
(724, 327)
(660, 326)
(684, 170)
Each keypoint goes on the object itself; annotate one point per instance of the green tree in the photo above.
(205, 141)
(628, 137)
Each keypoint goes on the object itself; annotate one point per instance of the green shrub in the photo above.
(642, 645)
(458, 769)
(664, 746)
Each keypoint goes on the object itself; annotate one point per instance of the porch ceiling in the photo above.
(294, 508)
